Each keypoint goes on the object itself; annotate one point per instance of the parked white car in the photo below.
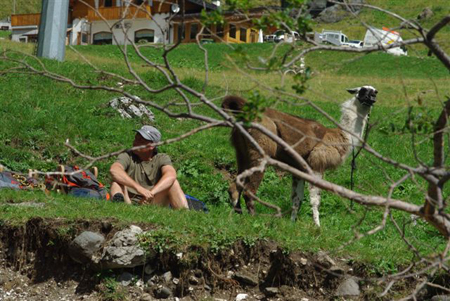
(269, 38)
(353, 44)
(282, 36)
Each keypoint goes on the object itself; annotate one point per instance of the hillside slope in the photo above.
(21, 7)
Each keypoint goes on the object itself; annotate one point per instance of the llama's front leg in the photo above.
(251, 188)
(314, 194)
(235, 197)
(298, 192)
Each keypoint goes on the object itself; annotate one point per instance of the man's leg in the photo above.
(117, 188)
(174, 196)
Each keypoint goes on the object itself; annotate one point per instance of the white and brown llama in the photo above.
(322, 148)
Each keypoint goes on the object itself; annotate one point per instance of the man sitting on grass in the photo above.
(144, 176)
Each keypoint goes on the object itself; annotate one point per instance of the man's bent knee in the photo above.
(177, 196)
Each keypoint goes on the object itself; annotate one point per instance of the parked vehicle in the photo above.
(354, 44)
(282, 36)
(375, 36)
(269, 38)
(336, 38)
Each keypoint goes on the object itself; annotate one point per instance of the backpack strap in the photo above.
(60, 178)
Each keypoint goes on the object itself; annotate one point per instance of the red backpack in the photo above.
(81, 183)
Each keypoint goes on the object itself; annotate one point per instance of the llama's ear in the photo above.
(353, 91)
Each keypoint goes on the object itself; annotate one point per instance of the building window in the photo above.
(32, 39)
(108, 3)
(219, 30)
(208, 32)
(84, 38)
(103, 38)
(243, 34)
(233, 31)
(181, 33)
(144, 35)
(194, 31)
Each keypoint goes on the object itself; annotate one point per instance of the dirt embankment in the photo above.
(35, 265)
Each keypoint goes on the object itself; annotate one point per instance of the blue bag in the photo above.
(8, 181)
(196, 204)
(86, 193)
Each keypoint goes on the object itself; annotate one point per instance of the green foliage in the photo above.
(418, 120)
(22, 7)
(5, 34)
(204, 183)
(283, 19)
(111, 290)
(389, 66)
(162, 240)
(238, 4)
(301, 80)
(212, 17)
(254, 108)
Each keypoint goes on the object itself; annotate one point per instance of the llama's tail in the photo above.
(233, 104)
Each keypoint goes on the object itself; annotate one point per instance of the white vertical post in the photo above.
(260, 36)
(53, 29)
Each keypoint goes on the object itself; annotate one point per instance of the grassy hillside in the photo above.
(22, 7)
(354, 28)
(41, 114)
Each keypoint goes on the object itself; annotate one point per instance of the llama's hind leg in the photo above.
(298, 192)
(314, 194)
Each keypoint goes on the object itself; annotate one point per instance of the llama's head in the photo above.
(366, 95)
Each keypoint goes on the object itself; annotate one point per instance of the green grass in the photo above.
(40, 114)
(22, 7)
(190, 56)
(185, 56)
(221, 227)
(5, 34)
(355, 30)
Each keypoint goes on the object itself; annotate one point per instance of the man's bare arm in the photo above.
(120, 176)
(169, 175)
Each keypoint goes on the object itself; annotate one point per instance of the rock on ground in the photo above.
(84, 246)
(349, 287)
(123, 250)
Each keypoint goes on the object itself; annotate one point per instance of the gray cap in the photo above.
(149, 133)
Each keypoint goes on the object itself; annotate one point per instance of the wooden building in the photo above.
(237, 28)
(112, 21)
(115, 22)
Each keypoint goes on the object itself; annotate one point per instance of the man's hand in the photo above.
(147, 195)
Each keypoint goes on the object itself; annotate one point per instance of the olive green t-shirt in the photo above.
(146, 173)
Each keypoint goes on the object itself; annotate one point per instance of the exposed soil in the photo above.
(34, 265)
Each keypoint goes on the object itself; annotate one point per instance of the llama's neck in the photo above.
(353, 120)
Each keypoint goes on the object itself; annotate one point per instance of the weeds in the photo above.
(162, 240)
(111, 290)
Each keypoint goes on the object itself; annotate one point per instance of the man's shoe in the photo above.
(118, 198)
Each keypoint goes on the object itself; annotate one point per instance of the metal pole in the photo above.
(53, 29)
